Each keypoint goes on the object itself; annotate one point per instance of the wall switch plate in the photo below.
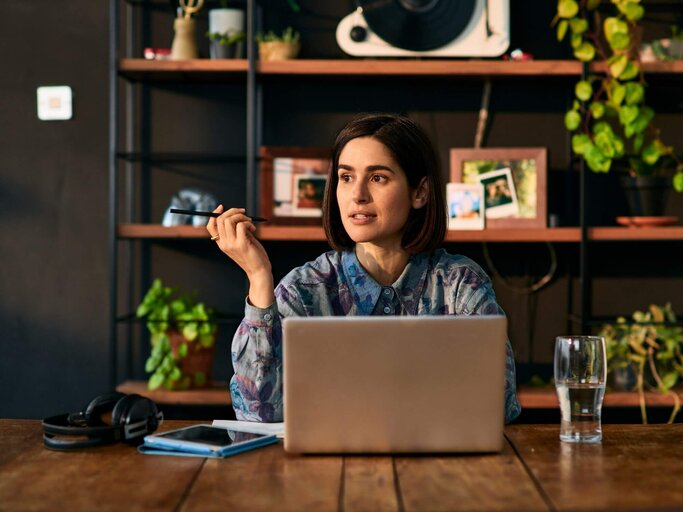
(54, 103)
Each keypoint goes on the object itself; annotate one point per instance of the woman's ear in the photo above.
(420, 194)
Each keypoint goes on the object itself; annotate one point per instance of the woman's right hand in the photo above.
(236, 239)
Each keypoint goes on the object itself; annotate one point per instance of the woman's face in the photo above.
(373, 193)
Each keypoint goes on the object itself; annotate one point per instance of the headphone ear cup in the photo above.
(122, 408)
(100, 405)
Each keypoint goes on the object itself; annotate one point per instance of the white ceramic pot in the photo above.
(224, 21)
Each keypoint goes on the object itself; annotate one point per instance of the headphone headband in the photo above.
(133, 417)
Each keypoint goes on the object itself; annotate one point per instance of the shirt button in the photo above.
(387, 310)
(267, 317)
(387, 291)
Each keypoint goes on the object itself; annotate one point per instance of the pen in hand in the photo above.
(211, 214)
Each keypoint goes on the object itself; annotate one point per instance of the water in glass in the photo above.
(580, 405)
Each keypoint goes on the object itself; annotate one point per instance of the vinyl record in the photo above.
(418, 25)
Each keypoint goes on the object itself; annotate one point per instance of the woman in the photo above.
(385, 217)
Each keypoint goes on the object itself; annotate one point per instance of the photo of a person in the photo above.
(308, 195)
(465, 206)
(500, 197)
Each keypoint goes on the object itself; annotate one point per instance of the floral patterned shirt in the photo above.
(336, 284)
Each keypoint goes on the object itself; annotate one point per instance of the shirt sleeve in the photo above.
(256, 386)
(482, 301)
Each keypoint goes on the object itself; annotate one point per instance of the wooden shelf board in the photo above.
(194, 68)
(644, 233)
(218, 394)
(379, 67)
(312, 233)
(207, 68)
(546, 398)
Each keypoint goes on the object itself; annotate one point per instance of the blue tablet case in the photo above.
(231, 450)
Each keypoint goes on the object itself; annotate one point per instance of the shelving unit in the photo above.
(255, 75)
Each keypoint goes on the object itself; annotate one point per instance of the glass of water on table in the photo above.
(580, 375)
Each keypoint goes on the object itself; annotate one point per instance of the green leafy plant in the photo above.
(609, 118)
(289, 35)
(227, 39)
(166, 312)
(652, 347)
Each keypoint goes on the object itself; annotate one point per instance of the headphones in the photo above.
(132, 417)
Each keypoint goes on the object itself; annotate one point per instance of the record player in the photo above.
(426, 28)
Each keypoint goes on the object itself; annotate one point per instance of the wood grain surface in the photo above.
(467, 482)
(636, 467)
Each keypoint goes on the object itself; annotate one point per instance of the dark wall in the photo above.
(53, 209)
(53, 190)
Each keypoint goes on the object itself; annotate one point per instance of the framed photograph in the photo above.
(308, 199)
(465, 205)
(500, 198)
(527, 168)
(292, 184)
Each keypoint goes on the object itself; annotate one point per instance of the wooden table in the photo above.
(635, 467)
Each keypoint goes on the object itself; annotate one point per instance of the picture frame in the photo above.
(283, 169)
(500, 195)
(528, 169)
(465, 206)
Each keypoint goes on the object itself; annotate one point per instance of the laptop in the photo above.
(396, 384)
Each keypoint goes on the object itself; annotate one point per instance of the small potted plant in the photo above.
(649, 349)
(226, 32)
(279, 47)
(227, 46)
(609, 119)
(183, 337)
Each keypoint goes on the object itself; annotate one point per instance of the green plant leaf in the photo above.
(190, 331)
(618, 65)
(199, 379)
(651, 153)
(585, 52)
(175, 374)
(601, 127)
(669, 380)
(578, 25)
(155, 381)
(613, 26)
(635, 93)
(182, 350)
(678, 181)
(630, 72)
(583, 90)
(575, 40)
(638, 142)
(645, 115)
(628, 114)
(596, 161)
(152, 363)
(207, 340)
(618, 94)
(620, 42)
(562, 29)
(597, 109)
(572, 120)
(580, 143)
(604, 142)
(632, 11)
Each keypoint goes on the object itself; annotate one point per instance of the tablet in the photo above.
(207, 439)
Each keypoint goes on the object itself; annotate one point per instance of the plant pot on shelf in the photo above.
(646, 195)
(225, 21)
(221, 51)
(278, 50)
(196, 366)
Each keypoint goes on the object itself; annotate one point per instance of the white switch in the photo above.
(54, 103)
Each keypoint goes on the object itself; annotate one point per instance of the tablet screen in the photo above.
(209, 435)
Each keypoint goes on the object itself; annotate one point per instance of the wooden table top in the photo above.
(635, 467)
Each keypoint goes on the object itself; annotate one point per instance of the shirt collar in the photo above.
(366, 290)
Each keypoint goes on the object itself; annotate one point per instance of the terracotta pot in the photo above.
(278, 50)
(199, 360)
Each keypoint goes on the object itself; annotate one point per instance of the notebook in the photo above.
(394, 384)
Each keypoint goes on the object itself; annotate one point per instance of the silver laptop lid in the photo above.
(394, 384)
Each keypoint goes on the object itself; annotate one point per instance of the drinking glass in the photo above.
(580, 375)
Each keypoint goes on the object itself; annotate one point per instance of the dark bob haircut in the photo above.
(413, 151)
